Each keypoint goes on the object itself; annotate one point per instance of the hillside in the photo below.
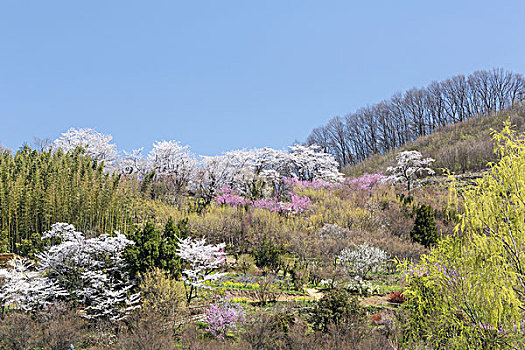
(461, 147)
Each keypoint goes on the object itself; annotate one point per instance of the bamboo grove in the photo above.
(38, 189)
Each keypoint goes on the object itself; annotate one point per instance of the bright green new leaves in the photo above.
(468, 293)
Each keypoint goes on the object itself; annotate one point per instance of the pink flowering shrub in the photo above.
(221, 319)
(300, 203)
(366, 181)
(297, 204)
(230, 197)
(231, 200)
(271, 204)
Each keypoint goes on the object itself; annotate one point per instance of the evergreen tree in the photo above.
(425, 230)
(156, 249)
(145, 253)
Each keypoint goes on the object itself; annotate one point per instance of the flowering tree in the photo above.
(172, 162)
(410, 164)
(91, 270)
(259, 173)
(251, 173)
(221, 319)
(363, 259)
(95, 144)
(211, 177)
(309, 163)
(366, 181)
(133, 163)
(203, 259)
(25, 289)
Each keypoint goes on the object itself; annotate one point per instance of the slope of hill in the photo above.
(461, 147)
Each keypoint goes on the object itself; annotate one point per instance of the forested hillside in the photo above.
(406, 116)
(461, 147)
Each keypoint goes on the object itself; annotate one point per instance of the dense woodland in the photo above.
(271, 249)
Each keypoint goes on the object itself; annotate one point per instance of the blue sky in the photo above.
(222, 75)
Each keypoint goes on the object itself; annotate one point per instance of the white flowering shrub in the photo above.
(357, 285)
(333, 231)
(92, 270)
(26, 289)
(410, 165)
(362, 260)
(203, 259)
(88, 271)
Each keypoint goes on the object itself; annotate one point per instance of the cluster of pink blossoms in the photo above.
(363, 182)
(297, 204)
(232, 199)
(221, 319)
(292, 182)
(366, 181)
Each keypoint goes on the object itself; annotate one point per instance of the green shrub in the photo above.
(425, 230)
(334, 308)
(267, 255)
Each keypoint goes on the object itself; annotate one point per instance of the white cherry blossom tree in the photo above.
(203, 259)
(172, 162)
(308, 163)
(89, 271)
(410, 165)
(95, 144)
(133, 163)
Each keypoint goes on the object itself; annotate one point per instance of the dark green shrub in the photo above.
(335, 307)
(267, 255)
(425, 230)
(299, 275)
(154, 248)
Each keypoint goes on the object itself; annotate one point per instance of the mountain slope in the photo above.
(461, 147)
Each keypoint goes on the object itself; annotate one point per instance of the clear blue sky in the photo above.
(222, 75)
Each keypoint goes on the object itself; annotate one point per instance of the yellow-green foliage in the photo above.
(161, 294)
(373, 216)
(468, 293)
(328, 207)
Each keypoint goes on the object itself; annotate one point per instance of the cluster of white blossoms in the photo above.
(245, 171)
(362, 259)
(203, 259)
(410, 164)
(89, 271)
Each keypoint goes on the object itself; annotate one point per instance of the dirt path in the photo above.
(376, 300)
(314, 293)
